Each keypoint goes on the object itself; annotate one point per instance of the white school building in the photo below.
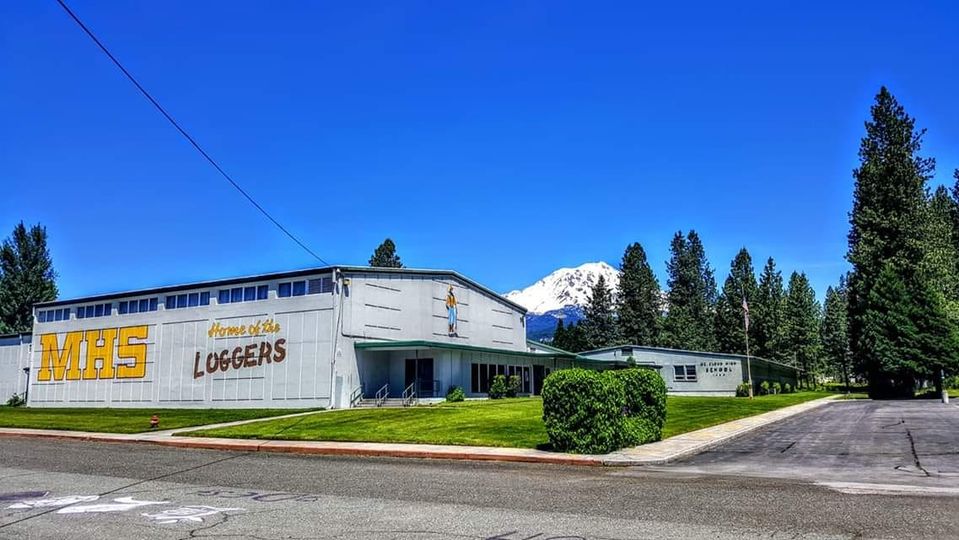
(324, 337)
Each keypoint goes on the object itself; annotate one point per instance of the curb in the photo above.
(658, 453)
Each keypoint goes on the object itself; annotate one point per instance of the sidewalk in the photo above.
(657, 453)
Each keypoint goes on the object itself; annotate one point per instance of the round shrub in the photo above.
(512, 386)
(764, 388)
(583, 411)
(455, 394)
(498, 388)
(777, 388)
(787, 388)
(645, 406)
(742, 390)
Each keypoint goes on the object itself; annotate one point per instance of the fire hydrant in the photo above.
(154, 421)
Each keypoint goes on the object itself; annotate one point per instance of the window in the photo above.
(483, 374)
(299, 288)
(193, 300)
(52, 315)
(319, 286)
(284, 290)
(685, 373)
(181, 301)
(137, 306)
(122, 308)
(88, 312)
(242, 294)
(205, 298)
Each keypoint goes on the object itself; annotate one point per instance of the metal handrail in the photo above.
(356, 396)
(382, 394)
(409, 395)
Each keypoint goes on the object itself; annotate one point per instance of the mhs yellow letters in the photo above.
(63, 362)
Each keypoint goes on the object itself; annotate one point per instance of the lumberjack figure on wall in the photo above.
(451, 310)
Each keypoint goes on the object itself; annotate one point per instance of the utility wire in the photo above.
(184, 132)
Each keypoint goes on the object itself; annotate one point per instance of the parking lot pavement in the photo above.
(848, 443)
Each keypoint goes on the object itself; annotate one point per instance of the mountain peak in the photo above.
(564, 287)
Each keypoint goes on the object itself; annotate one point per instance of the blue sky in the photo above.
(500, 139)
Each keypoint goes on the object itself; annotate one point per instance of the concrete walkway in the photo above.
(657, 453)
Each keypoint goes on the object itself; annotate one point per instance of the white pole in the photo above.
(945, 393)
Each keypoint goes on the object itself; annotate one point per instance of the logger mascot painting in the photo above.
(451, 311)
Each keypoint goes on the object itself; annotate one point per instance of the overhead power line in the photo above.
(184, 132)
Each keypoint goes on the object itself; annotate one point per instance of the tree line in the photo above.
(785, 320)
(892, 321)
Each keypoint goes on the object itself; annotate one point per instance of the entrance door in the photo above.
(537, 380)
(420, 371)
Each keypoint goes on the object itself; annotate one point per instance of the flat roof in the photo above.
(425, 344)
(280, 275)
(683, 351)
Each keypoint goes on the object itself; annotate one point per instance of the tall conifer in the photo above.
(639, 299)
(730, 324)
(766, 314)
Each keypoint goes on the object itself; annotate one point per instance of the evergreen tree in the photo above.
(887, 229)
(834, 336)
(26, 277)
(801, 318)
(639, 299)
(692, 295)
(939, 267)
(729, 326)
(572, 338)
(385, 256)
(559, 334)
(766, 315)
(889, 334)
(599, 325)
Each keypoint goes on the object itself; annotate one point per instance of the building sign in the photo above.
(110, 353)
(451, 310)
(720, 368)
(251, 355)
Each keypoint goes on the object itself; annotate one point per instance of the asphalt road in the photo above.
(60, 489)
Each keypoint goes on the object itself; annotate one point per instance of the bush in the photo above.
(455, 394)
(16, 400)
(776, 388)
(512, 386)
(787, 388)
(742, 390)
(764, 388)
(645, 406)
(951, 382)
(583, 411)
(498, 388)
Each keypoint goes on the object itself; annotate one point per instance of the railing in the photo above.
(382, 394)
(409, 395)
(356, 396)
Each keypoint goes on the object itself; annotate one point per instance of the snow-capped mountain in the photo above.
(564, 287)
(561, 295)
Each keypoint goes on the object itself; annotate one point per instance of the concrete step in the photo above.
(371, 403)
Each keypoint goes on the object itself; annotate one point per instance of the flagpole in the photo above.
(749, 365)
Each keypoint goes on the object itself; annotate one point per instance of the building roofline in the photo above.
(685, 351)
(426, 344)
(547, 346)
(279, 275)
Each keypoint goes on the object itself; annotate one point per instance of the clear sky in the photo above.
(500, 139)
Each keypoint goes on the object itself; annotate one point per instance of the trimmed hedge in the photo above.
(645, 406)
(583, 411)
(455, 394)
(589, 412)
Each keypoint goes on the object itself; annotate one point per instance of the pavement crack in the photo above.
(783, 451)
(899, 423)
(915, 456)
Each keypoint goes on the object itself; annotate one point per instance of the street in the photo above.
(64, 489)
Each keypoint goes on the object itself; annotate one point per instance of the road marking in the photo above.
(194, 514)
(858, 488)
(121, 504)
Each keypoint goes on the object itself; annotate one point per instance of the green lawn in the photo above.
(125, 420)
(508, 422)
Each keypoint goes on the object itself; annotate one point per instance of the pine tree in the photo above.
(834, 335)
(801, 318)
(889, 334)
(559, 334)
(639, 299)
(729, 325)
(572, 339)
(939, 267)
(766, 315)
(26, 277)
(887, 229)
(692, 296)
(599, 325)
(385, 256)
